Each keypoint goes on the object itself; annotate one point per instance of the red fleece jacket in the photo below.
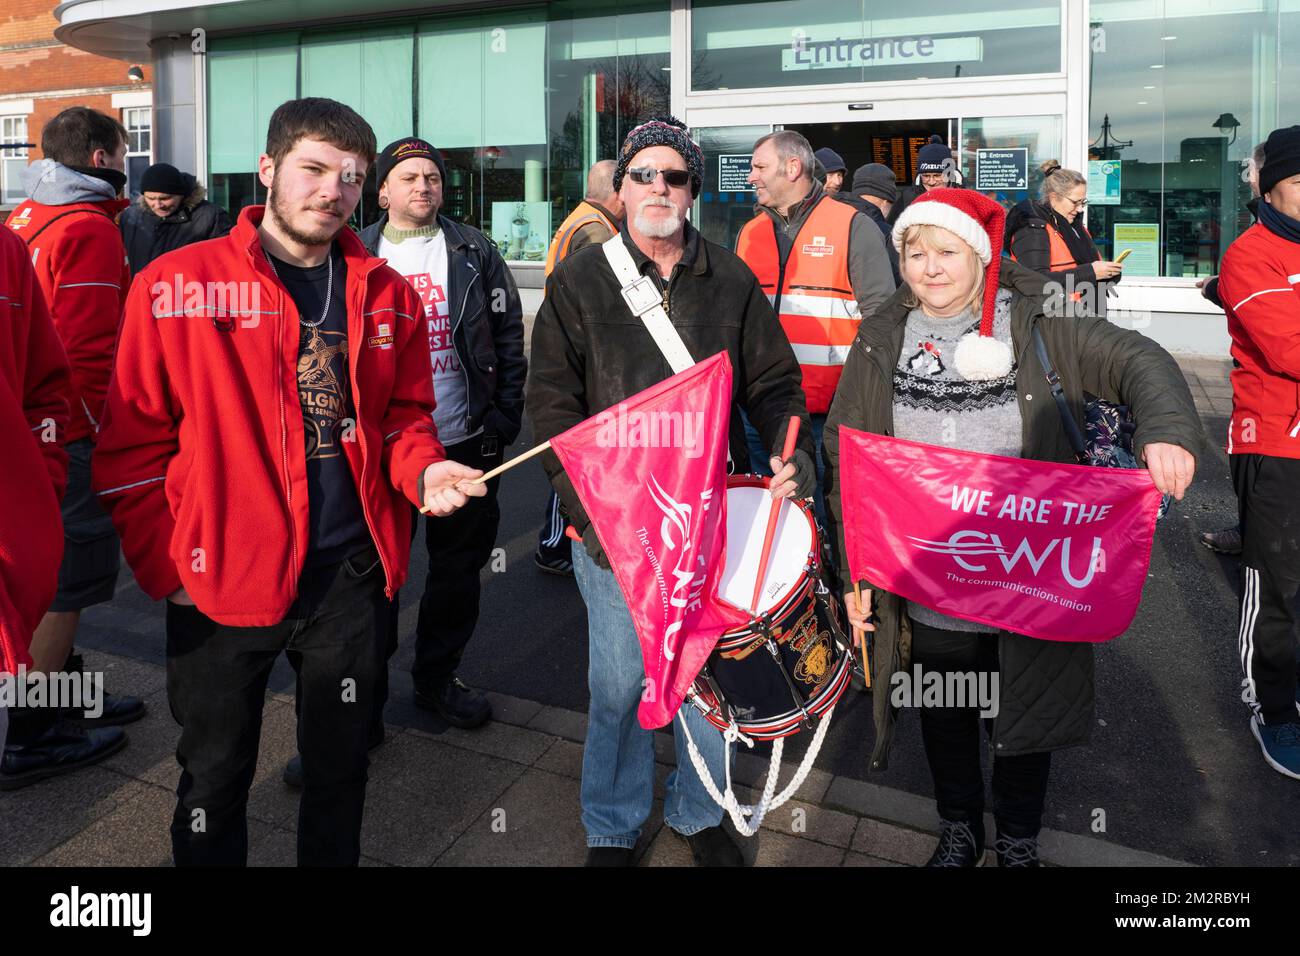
(34, 383)
(201, 460)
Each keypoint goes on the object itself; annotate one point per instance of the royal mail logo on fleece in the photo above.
(818, 248)
(384, 340)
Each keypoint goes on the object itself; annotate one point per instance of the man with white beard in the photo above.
(590, 352)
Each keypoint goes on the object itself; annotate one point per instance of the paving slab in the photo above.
(496, 739)
(40, 817)
(134, 833)
(534, 823)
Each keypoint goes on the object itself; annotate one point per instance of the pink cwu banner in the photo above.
(652, 476)
(1058, 552)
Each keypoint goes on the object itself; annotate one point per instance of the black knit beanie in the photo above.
(398, 151)
(662, 131)
(1281, 157)
(164, 178)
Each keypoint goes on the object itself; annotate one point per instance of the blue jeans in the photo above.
(618, 762)
(759, 460)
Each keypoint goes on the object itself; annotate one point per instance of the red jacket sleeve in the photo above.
(1267, 305)
(410, 437)
(138, 439)
(46, 380)
(86, 305)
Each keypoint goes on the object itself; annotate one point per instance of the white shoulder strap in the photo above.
(644, 299)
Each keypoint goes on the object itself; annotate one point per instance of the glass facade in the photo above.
(520, 103)
(1181, 93)
(774, 43)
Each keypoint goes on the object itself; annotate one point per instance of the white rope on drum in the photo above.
(736, 810)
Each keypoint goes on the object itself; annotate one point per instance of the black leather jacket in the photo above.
(590, 352)
(146, 237)
(487, 326)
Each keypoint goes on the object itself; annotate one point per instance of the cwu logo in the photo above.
(691, 573)
(963, 546)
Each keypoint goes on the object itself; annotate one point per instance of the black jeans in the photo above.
(952, 742)
(1270, 578)
(460, 546)
(334, 635)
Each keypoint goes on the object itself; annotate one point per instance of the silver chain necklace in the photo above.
(329, 287)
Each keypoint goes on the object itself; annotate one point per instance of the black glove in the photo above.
(805, 473)
(594, 550)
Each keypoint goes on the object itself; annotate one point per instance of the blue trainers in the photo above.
(1281, 746)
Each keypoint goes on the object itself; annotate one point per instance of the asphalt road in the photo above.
(1171, 765)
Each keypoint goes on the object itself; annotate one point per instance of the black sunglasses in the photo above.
(645, 175)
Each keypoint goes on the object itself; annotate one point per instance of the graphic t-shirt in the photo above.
(422, 260)
(337, 523)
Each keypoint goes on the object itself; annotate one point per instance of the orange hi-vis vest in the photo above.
(810, 291)
(1059, 256)
(584, 214)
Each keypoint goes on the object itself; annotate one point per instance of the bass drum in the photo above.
(791, 663)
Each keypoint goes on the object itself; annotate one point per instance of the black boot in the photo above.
(457, 704)
(1016, 851)
(609, 856)
(712, 847)
(61, 749)
(116, 710)
(961, 844)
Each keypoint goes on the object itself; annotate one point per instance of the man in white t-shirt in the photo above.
(476, 343)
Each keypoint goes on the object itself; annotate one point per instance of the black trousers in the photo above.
(335, 636)
(1268, 499)
(952, 742)
(460, 546)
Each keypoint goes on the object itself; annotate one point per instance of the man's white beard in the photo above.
(657, 228)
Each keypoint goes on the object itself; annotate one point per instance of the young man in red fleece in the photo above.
(34, 383)
(268, 427)
(68, 223)
(1259, 286)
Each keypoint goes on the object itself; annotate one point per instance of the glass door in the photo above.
(726, 200)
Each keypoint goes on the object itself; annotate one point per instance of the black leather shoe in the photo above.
(457, 704)
(116, 710)
(1016, 851)
(609, 856)
(61, 749)
(960, 845)
(712, 847)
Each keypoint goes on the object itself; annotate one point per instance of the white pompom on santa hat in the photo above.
(979, 222)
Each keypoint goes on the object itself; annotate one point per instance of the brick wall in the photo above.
(34, 65)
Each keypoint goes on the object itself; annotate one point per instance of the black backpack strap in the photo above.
(70, 212)
(1072, 433)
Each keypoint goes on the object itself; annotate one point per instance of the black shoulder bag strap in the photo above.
(1072, 432)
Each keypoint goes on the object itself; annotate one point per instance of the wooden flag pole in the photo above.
(504, 467)
(862, 635)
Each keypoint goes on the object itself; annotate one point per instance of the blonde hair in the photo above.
(1058, 181)
(926, 235)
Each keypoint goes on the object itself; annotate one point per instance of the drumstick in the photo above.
(504, 466)
(791, 434)
(862, 636)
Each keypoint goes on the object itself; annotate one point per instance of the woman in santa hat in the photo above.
(949, 361)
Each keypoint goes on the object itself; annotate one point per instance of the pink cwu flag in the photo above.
(652, 475)
(1058, 552)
